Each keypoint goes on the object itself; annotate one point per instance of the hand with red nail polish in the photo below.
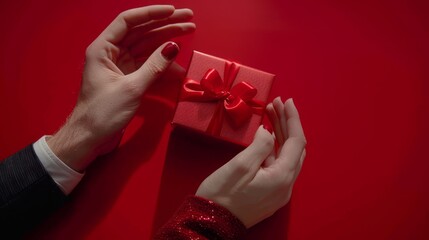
(259, 180)
(125, 59)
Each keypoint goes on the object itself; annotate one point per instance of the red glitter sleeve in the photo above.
(199, 218)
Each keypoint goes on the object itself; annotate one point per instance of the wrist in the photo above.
(74, 144)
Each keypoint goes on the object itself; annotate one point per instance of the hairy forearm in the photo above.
(74, 143)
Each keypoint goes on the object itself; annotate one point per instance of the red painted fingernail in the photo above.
(170, 51)
(268, 128)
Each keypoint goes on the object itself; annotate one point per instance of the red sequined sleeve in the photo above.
(199, 218)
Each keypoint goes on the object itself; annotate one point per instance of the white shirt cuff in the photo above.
(65, 177)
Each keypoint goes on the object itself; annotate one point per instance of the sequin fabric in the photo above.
(199, 218)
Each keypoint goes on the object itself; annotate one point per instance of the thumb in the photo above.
(251, 158)
(156, 64)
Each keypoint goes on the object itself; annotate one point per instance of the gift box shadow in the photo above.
(191, 157)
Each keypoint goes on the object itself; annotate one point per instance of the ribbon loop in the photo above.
(237, 101)
(212, 84)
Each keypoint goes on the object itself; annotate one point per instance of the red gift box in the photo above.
(223, 99)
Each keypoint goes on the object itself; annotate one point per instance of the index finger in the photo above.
(116, 31)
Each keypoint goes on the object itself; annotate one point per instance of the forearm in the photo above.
(74, 143)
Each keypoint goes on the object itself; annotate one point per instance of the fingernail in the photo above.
(268, 128)
(170, 51)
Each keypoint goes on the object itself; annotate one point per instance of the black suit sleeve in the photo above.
(27, 193)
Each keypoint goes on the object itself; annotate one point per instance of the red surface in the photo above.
(358, 72)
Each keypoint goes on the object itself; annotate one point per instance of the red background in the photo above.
(357, 70)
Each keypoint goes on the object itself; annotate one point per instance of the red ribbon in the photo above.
(237, 101)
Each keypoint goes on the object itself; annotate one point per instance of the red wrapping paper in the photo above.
(205, 115)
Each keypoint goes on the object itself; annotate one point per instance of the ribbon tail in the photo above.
(215, 126)
(239, 113)
(257, 106)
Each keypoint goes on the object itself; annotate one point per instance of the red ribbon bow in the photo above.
(237, 101)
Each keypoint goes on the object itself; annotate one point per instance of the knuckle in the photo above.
(121, 16)
(266, 140)
(241, 167)
(154, 69)
(89, 52)
(94, 50)
(269, 143)
(302, 141)
(299, 141)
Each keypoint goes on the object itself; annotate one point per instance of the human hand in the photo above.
(259, 180)
(127, 57)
